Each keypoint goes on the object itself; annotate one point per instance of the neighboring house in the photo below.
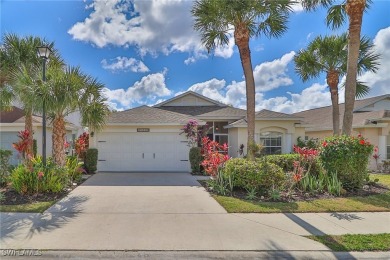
(11, 122)
(371, 118)
(148, 138)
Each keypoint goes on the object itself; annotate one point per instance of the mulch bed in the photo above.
(11, 197)
(371, 189)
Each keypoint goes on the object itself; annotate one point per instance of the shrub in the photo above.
(285, 161)
(35, 147)
(74, 169)
(5, 155)
(311, 143)
(81, 145)
(91, 159)
(348, 157)
(255, 175)
(195, 159)
(22, 145)
(214, 156)
(33, 177)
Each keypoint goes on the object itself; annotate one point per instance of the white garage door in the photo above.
(142, 152)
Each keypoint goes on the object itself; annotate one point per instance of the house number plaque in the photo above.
(143, 129)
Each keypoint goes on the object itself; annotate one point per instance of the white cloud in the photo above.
(273, 74)
(124, 64)
(153, 26)
(380, 81)
(317, 95)
(225, 51)
(149, 88)
(268, 76)
(211, 89)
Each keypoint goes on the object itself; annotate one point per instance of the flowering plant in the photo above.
(82, 145)
(214, 155)
(194, 132)
(22, 145)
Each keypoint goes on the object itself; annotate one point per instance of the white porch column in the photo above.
(382, 147)
(287, 147)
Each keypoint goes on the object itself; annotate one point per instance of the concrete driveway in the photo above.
(158, 211)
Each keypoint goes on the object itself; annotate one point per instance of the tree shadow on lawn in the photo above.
(12, 224)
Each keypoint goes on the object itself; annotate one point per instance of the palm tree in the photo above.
(19, 57)
(328, 54)
(69, 90)
(353, 9)
(215, 19)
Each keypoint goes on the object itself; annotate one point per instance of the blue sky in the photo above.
(146, 51)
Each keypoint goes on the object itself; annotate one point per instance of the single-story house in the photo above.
(371, 118)
(148, 138)
(11, 122)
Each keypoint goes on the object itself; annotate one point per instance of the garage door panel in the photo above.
(142, 152)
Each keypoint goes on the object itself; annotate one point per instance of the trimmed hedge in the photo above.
(91, 158)
(249, 175)
(195, 159)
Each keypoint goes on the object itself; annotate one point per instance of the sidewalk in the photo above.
(216, 232)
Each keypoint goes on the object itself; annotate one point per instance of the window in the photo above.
(217, 132)
(272, 142)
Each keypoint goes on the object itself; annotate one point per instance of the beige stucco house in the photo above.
(371, 118)
(11, 122)
(148, 138)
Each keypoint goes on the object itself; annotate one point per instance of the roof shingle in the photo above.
(147, 115)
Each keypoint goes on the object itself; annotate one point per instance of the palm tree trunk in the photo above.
(354, 9)
(241, 37)
(59, 140)
(332, 79)
(29, 127)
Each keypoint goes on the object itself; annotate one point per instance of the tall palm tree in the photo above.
(337, 14)
(69, 90)
(328, 54)
(19, 58)
(215, 19)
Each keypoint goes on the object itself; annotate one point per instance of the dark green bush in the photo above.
(91, 159)
(35, 147)
(34, 178)
(5, 155)
(255, 175)
(195, 159)
(348, 157)
(285, 161)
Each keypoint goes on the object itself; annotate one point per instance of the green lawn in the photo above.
(371, 242)
(372, 203)
(35, 207)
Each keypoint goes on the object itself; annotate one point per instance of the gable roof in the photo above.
(164, 103)
(147, 115)
(11, 116)
(265, 114)
(206, 112)
(361, 104)
(321, 118)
